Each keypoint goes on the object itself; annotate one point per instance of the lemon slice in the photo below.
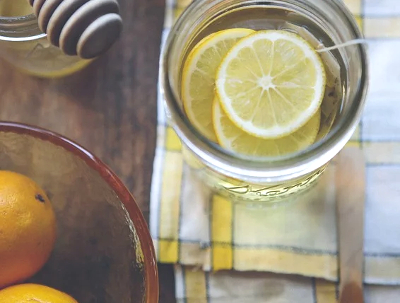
(271, 83)
(198, 79)
(234, 139)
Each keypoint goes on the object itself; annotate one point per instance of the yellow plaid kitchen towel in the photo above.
(195, 229)
(196, 286)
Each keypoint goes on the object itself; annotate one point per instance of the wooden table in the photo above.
(109, 108)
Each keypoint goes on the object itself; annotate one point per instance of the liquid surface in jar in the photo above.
(231, 94)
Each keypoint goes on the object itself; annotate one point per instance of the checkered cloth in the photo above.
(203, 233)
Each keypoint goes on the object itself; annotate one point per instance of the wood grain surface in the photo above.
(109, 108)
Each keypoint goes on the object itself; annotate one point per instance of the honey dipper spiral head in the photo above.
(86, 28)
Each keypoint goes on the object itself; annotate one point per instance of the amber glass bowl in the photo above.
(104, 252)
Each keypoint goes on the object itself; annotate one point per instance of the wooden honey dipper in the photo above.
(86, 28)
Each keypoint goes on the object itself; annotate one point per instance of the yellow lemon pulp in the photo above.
(198, 78)
(271, 83)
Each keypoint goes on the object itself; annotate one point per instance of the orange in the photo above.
(27, 293)
(27, 228)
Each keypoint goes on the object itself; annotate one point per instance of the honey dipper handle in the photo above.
(350, 195)
(87, 28)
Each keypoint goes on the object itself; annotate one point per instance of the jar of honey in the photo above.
(26, 47)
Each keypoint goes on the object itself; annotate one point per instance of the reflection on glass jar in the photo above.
(24, 46)
(244, 191)
(250, 178)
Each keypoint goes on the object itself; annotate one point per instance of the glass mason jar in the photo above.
(23, 45)
(245, 178)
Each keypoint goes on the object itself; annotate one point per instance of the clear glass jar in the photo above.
(266, 179)
(23, 45)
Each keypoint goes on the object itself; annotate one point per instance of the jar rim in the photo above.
(256, 169)
(20, 28)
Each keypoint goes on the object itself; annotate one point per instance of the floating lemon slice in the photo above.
(271, 83)
(198, 79)
(233, 138)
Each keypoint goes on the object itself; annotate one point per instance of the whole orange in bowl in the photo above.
(27, 228)
(34, 293)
